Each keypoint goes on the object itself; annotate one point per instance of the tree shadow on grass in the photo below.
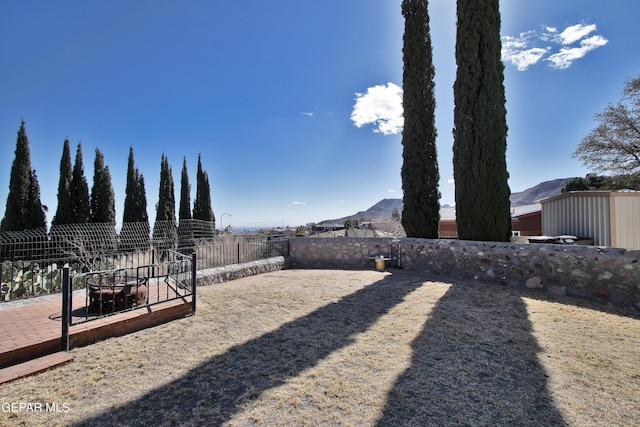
(215, 390)
(474, 363)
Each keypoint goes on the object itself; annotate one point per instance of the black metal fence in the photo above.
(34, 259)
(238, 249)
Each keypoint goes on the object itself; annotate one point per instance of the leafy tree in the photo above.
(24, 209)
(80, 191)
(64, 210)
(614, 145)
(395, 215)
(593, 182)
(164, 229)
(420, 176)
(624, 182)
(480, 125)
(103, 208)
(202, 205)
(351, 223)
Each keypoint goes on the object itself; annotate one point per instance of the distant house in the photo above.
(610, 218)
(448, 226)
(321, 228)
(525, 221)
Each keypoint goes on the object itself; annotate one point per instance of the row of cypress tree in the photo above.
(24, 209)
(480, 129)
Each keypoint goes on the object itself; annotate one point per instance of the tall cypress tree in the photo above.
(103, 209)
(64, 210)
(166, 207)
(22, 210)
(80, 191)
(480, 125)
(36, 218)
(132, 204)
(165, 229)
(185, 225)
(185, 193)
(135, 221)
(420, 176)
(202, 205)
(141, 199)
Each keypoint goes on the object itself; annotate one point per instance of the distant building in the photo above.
(525, 221)
(610, 218)
(321, 228)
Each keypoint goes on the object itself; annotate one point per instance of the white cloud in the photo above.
(299, 203)
(519, 50)
(566, 56)
(380, 106)
(391, 191)
(307, 113)
(529, 47)
(518, 53)
(451, 181)
(575, 32)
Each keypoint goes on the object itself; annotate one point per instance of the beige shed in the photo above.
(610, 218)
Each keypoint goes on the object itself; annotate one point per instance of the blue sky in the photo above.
(294, 106)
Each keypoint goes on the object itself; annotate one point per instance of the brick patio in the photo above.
(32, 329)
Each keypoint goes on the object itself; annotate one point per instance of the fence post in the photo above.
(153, 262)
(66, 307)
(193, 283)
(238, 252)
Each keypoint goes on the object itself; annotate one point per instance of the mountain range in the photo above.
(385, 207)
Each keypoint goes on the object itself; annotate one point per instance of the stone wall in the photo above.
(608, 275)
(210, 276)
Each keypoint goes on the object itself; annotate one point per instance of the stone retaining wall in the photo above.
(209, 276)
(608, 275)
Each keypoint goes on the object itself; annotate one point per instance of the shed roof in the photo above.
(593, 193)
(449, 213)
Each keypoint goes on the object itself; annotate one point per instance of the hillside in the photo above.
(538, 192)
(385, 207)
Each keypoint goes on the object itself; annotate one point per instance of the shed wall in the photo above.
(581, 215)
(625, 221)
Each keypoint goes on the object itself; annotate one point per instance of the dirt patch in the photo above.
(332, 347)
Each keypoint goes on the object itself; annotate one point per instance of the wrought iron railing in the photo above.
(112, 291)
(115, 291)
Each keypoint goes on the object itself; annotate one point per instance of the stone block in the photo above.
(557, 290)
(534, 283)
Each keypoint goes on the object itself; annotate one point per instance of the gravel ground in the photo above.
(334, 347)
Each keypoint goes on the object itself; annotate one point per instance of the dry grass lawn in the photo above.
(362, 348)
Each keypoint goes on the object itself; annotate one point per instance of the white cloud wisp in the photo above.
(566, 56)
(380, 106)
(531, 47)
